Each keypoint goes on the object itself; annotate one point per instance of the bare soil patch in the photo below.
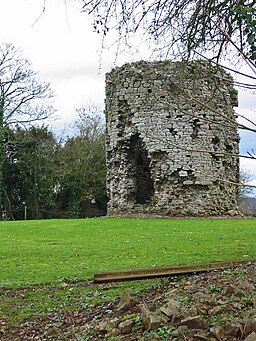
(216, 305)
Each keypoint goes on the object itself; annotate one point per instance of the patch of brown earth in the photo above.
(216, 305)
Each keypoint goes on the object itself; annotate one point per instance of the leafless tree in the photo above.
(178, 27)
(90, 123)
(23, 98)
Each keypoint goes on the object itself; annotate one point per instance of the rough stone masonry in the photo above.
(172, 140)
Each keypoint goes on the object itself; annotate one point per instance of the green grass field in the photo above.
(46, 251)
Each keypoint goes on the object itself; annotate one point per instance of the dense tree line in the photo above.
(47, 178)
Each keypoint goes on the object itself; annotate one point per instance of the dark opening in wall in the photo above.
(196, 125)
(143, 183)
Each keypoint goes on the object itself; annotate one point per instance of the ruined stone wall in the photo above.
(172, 141)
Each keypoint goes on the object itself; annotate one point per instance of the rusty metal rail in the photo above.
(137, 274)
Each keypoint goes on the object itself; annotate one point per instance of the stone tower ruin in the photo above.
(171, 141)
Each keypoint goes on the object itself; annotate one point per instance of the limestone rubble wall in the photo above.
(171, 141)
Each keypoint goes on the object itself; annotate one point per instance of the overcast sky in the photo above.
(64, 49)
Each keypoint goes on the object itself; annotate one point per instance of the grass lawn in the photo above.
(46, 251)
(42, 262)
